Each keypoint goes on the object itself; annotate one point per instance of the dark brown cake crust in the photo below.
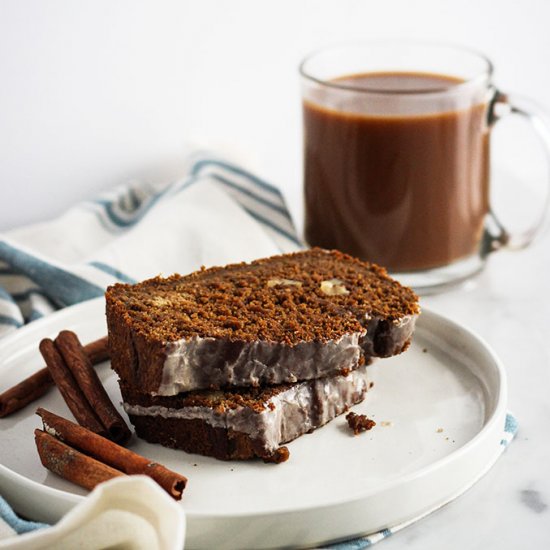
(267, 322)
(196, 436)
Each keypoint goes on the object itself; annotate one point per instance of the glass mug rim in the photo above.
(481, 77)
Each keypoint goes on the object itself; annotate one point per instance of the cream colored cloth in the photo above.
(130, 513)
(5, 530)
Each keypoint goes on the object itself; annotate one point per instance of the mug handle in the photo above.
(496, 234)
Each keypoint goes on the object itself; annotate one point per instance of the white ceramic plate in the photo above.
(440, 412)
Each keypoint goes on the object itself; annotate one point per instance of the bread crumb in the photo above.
(359, 422)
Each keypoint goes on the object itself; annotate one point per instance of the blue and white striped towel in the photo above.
(216, 214)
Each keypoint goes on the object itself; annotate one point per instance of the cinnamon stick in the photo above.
(78, 363)
(36, 385)
(68, 387)
(70, 464)
(110, 453)
(27, 391)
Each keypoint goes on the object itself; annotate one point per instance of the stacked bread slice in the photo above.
(234, 362)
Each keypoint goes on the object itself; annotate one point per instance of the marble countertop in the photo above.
(508, 305)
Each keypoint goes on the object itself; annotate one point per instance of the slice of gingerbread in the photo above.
(281, 319)
(243, 423)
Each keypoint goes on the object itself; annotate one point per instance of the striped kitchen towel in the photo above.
(216, 213)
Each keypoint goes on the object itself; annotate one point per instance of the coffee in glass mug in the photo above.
(397, 158)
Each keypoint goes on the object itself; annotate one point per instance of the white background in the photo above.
(95, 93)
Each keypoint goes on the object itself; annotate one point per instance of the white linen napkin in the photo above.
(131, 512)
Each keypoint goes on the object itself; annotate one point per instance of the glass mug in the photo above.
(396, 158)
